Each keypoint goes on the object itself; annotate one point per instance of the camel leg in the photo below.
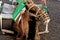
(25, 24)
(37, 36)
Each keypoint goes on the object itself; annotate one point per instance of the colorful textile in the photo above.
(17, 10)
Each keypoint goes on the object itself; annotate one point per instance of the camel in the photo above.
(27, 26)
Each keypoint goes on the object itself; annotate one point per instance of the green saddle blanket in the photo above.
(17, 10)
(44, 8)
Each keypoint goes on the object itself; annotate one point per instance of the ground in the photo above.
(54, 25)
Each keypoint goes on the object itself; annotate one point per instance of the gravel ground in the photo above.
(54, 25)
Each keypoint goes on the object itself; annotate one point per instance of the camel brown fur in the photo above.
(30, 21)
